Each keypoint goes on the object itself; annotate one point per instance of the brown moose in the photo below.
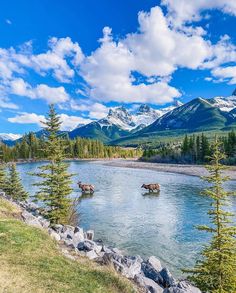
(86, 187)
(151, 187)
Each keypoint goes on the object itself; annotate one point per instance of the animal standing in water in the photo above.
(151, 187)
(86, 187)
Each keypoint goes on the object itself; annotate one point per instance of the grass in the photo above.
(31, 262)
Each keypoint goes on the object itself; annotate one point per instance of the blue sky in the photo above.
(87, 56)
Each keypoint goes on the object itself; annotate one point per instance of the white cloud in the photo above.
(68, 122)
(108, 72)
(225, 74)
(50, 94)
(28, 118)
(159, 49)
(181, 11)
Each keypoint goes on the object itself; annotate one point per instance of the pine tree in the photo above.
(215, 272)
(3, 178)
(14, 187)
(55, 188)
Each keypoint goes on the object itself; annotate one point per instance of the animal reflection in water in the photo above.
(153, 188)
(86, 188)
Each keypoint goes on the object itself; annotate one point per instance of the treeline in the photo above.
(32, 148)
(193, 149)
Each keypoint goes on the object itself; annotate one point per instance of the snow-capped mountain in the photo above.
(120, 123)
(119, 116)
(143, 116)
(225, 104)
(9, 136)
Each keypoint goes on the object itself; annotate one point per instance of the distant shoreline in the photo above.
(192, 170)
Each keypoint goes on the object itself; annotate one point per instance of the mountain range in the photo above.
(122, 126)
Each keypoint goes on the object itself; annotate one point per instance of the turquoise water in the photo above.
(124, 216)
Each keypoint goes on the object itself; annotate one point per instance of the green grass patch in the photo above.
(31, 262)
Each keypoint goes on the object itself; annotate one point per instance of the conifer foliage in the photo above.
(3, 178)
(14, 187)
(55, 186)
(215, 272)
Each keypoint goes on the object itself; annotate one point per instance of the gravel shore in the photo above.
(193, 170)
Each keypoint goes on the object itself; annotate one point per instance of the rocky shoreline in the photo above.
(148, 274)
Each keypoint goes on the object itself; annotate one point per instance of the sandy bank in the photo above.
(193, 170)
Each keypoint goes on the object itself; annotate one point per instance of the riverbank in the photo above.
(64, 265)
(32, 261)
(192, 170)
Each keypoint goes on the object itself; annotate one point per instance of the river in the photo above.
(123, 215)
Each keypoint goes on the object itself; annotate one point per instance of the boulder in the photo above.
(182, 287)
(128, 266)
(78, 237)
(54, 234)
(152, 271)
(155, 263)
(89, 245)
(45, 223)
(89, 234)
(148, 284)
(30, 219)
(132, 266)
(168, 279)
(91, 254)
(67, 232)
(58, 228)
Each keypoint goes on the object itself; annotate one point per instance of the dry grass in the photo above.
(31, 262)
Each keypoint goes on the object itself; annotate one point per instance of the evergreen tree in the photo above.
(215, 272)
(3, 178)
(14, 187)
(55, 188)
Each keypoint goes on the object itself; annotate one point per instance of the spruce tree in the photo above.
(14, 187)
(215, 271)
(3, 177)
(55, 187)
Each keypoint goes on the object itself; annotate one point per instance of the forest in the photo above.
(31, 147)
(192, 149)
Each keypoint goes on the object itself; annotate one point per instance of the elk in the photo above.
(151, 187)
(86, 187)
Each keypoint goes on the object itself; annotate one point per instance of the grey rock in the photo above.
(67, 232)
(78, 229)
(69, 243)
(155, 263)
(92, 254)
(128, 266)
(54, 235)
(89, 245)
(89, 235)
(148, 284)
(168, 279)
(132, 266)
(182, 287)
(30, 219)
(58, 228)
(78, 237)
(152, 272)
(45, 223)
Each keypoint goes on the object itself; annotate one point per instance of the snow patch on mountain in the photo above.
(225, 104)
(143, 116)
(9, 136)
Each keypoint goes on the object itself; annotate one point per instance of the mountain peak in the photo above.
(234, 93)
(144, 109)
